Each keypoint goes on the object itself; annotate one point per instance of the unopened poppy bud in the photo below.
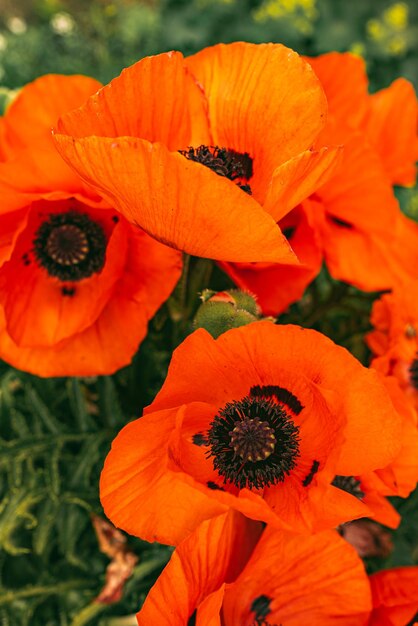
(224, 310)
(241, 299)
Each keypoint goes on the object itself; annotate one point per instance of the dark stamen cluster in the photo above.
(70, 246)
(281, 394)
(233, 165)
(261, 608)
(254, 443)
(350, 485)
(413, 373)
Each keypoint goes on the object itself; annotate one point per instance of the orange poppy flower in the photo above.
(206, 153)
(260, 420)
(395, 597)
(288, 579)
(394, 340)
(71, 267)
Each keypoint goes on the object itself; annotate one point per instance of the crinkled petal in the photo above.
(200, 566)
(317, 580)
(181, 203)
(155, 99)
(136, 478)
(298, 178)
(264, 100)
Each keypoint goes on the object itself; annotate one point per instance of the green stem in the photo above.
(183, 281)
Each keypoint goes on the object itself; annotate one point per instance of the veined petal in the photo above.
(344, 80)
(298, 178)
(155, 99)
(264, 100)
(29, 119)
(317, 580)
(209, 611)
(278, 285)
(135, 474)
(199, 566)
(181, 203)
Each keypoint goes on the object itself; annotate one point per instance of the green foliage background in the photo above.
(54, 434)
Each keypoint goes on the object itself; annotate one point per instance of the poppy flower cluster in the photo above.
(266, 438)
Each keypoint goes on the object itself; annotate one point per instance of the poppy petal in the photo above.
(37, 107)
(293, 580)
(179, 202)
(135, 474)
(371, 261)
(359, 192)
(344, 80)
(198, 567)
(395, 596)
(380, 508)
(264, 100)
(278, 285)
(298, 178)
(36, 174)
(391, 127)
(209, 611)
(155, 99)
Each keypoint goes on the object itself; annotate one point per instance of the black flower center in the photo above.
(236, 166)
(254, 443)
(413, 373)
(70, 246)
(350, 484)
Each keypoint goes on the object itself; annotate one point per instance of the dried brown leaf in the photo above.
(112, 542)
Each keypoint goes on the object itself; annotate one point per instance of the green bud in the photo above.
(245, 300)
(218, 317)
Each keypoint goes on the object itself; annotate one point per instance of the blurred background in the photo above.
(100, 37)
(60, 565)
